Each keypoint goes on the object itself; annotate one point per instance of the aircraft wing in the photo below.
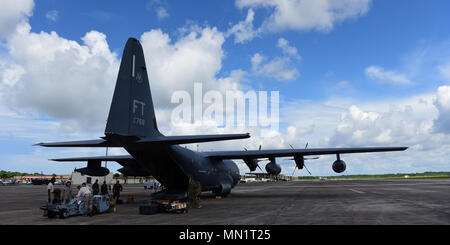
(253, 154)
(80, 143)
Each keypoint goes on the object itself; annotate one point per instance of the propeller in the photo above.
(257, 160)
(304, 165)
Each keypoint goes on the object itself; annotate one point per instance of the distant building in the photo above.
(132, 180)
(29, 178)
(78, 178)
(264, 177)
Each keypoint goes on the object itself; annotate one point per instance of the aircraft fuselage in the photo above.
(173, 165)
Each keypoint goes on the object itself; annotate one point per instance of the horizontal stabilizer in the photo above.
(81, 143)
(173, 140)
(98, 158)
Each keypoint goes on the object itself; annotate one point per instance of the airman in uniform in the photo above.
(198, 193)
(191, 193)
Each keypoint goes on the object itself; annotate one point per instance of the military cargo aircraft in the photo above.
(132, 125)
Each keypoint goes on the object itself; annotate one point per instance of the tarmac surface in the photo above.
(349, 202)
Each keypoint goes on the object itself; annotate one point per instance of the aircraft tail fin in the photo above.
(132, 112)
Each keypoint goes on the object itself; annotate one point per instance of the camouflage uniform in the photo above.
(191, 193)
(67, 194)
(87, 204)
(198, 193)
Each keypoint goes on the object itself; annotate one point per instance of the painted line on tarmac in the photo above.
(360, 192)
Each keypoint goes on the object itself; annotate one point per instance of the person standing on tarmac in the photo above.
(198, 193)
(95, 188)
(116, 191)
(50, 191)
(191, 193)
(67, 194)
(85, 195)
(104, 189)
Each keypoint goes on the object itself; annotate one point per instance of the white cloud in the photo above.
(196, 57)
(46, 74)
(358, 127)
(59, 77)
(52, 76)
(442, 103)
(159, 7)
(13, 12)
(306, 15)
(244, 30)
(161, 13)
(52, 15)
(400, 122)
(276, 68)
(280, 68)
(381, 75)
(407, 121)
(283, 44)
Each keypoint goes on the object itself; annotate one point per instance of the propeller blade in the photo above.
(259, 147)
(306, 146)
(307, 169)
(294, 170)
(259, 167)
(289, 159)
(311, 158)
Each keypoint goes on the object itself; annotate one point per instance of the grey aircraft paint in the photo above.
(132, 125)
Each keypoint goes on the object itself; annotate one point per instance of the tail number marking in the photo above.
(136, 106)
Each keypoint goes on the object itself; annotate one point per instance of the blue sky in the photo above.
(384, 36)
(359, 73)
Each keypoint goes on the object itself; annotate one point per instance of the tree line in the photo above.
(9, 175)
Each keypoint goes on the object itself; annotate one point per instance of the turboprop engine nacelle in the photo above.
(299, 161)
(273, 168)
(339, 166)
(93, 168)
(251, 163)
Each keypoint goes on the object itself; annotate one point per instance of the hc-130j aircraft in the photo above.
(132, 125)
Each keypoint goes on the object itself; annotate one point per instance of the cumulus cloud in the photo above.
(305, 15)
(59, 77)
(415, 122)
(71, 82)
(358, 127)
(381, 75)
(196, 57)
(442, 103)
(56, 77)
(244, 30)
(13, 12)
